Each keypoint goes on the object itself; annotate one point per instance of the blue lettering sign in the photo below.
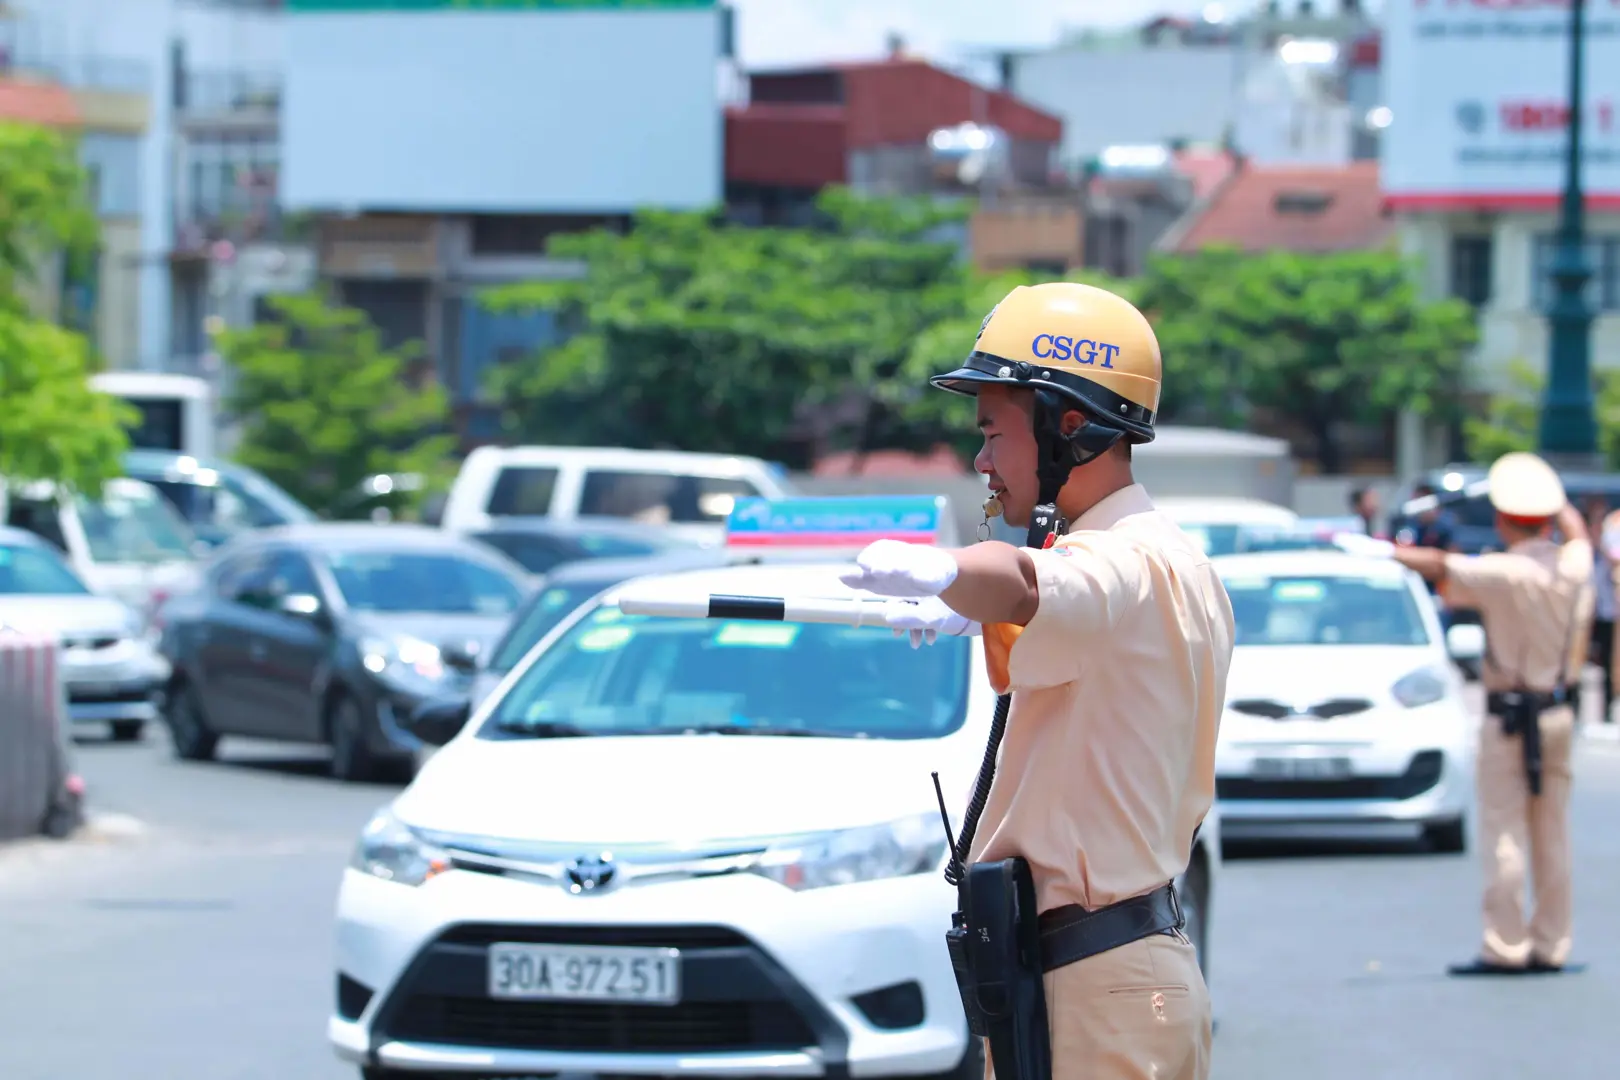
(1081, 350)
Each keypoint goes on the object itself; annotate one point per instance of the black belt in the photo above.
(1071, 933)
(1501, 702)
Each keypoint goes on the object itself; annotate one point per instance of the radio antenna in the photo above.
(945, 819)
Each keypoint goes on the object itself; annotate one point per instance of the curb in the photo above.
(99, 829)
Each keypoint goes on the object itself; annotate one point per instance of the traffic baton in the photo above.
(832, 611)
(1424, 503)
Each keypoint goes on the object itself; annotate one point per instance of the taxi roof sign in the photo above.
(836, 523)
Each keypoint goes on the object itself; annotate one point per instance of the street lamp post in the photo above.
(1568, 421)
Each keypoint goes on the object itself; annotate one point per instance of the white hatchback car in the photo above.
(681, 847)
(1342, 705)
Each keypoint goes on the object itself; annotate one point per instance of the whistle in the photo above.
(992, 507)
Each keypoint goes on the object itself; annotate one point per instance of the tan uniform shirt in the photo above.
(1108, 762)
(1535, 600)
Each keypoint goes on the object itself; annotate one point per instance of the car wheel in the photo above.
(352, 759)
(188, 729)
(1447, 837)
(1194, 895)
(127, 730)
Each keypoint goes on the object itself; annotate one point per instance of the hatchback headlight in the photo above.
(391, 850)
(912, 845)
(405, 661)
(1424, 686)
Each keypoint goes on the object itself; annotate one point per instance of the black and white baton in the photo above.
(833, 611)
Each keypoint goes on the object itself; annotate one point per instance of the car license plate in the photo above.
(584, 973)
(1302, 768)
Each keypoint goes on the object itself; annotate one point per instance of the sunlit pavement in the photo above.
(198, 947)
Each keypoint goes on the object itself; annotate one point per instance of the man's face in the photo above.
(1369, 503)
(1008, 455)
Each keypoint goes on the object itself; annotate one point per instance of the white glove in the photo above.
(926, 619)
(1360, 544)
(896, 568)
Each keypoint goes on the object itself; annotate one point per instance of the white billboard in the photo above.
(414, 105)
(1478, 92)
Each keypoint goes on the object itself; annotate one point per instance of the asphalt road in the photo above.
(199, 948)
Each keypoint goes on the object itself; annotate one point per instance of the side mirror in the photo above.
(463, 656)
(1466, 641)
(302, 605)
(438, 720)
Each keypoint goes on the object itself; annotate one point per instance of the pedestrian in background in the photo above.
(1365, 504)
(1605, 525)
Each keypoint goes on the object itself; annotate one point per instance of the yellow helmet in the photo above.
(1084, 343)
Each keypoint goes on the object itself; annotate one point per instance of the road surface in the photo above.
(199, 949)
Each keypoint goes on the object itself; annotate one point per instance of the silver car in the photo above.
(110, 669)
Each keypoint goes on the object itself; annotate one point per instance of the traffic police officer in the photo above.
(1114, 642)
(1535, 600)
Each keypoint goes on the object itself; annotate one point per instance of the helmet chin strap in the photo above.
(1057, 455)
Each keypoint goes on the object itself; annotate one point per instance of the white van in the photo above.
(176, 411)
(690, 494)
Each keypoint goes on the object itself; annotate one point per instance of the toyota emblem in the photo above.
(590, 873)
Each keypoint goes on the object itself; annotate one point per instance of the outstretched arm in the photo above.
(995, 583)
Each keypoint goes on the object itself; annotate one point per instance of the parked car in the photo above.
(128, 542)
(689, 493)
(110, 671)
(217, 498)
(670, 847)
(328, 633)
(540, 545)
(1342, 704)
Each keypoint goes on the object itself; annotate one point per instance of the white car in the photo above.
(1219, 523)
(111, 670)
(681, 847)
(1343, 706)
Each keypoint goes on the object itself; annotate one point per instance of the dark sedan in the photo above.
(540, 545)
(328, 633)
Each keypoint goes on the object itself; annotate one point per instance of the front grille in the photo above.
(92, 644)
(123, 696)
(659, 937)
(1420, 776)
(1322, 710)
(734, 997)
(688, 1027)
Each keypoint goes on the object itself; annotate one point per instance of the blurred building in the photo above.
(1473, 168)
(139, 71)
(440, 150)
(903, 126)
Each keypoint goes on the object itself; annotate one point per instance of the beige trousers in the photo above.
(1138, 1012)
(1519, 833)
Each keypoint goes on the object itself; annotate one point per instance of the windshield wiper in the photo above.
(767, 730)
(546, 729)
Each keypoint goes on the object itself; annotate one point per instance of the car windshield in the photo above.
(1214, 539)
(551, 606)
(1325, 610)
(133, 523)
(417, 581)
(32, 571)
(538, 552)
(614, 674)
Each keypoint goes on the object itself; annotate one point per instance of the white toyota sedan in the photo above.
(1343, 706)
(681, 847)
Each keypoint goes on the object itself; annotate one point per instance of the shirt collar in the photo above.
(1115, 508)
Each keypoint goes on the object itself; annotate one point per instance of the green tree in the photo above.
(1321, 338)
(324, 406)
(783, 343)
(1512, 417)
(53, 426)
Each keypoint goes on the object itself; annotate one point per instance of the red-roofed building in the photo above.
(1294, 208)
(40, 103)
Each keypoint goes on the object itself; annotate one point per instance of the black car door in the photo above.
(221, 665)
(289, 644)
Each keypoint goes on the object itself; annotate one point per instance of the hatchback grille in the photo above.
(691, 1026)
(1322, 710)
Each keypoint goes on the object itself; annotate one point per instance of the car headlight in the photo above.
(1422, 687)
(404, 660)
(913, 845)
(391, 850)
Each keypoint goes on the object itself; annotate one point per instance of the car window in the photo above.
(1324, 610)
(539, 553)
(132, 523)
(38, 516)
(549, 607)
(1214, 539)
(31, 571)
(231, 573)
(522, 491)
(660, 498)
(421, 581)
(611, 673)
